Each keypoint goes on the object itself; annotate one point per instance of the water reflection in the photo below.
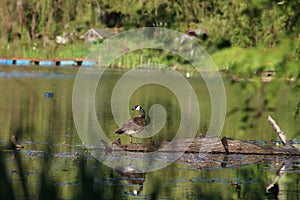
(272, 189)
(33, 75)
(54, 161)
(68, 168)
(14, 143)
(133, 176)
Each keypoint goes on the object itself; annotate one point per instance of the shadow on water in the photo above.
(47, 188)
(6, 191)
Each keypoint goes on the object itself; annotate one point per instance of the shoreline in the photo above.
(227, 75)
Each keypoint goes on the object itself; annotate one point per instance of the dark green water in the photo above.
(51, 164)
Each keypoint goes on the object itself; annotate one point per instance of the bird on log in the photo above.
(134, 125)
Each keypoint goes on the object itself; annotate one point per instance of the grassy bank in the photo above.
(245, 62)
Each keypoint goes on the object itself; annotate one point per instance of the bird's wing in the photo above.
(131, 125)
(139, 121)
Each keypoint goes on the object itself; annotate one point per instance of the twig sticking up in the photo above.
(225, 144)
(285, 141)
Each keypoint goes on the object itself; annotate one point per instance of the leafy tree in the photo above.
(229, 23)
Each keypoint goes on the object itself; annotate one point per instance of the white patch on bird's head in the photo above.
(137, 107)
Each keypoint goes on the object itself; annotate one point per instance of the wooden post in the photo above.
(283, 138)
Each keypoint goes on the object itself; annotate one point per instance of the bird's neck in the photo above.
(142, 113)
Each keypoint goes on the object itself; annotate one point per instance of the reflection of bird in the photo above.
(14, 142)
(134, 177)
(134, 125)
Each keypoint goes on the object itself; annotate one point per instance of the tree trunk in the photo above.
(34, 21)
(23, 19)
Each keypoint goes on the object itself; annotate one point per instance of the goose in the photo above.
(134, 125)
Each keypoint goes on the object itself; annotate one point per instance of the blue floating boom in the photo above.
(46, 63)
(2, 61)
(67, 62)
(88, 63)
(23, 62)
(8, 62)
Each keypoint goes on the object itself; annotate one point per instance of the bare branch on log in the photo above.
(225, 144)
(283, 138)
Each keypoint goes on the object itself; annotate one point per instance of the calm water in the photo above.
(55, 162)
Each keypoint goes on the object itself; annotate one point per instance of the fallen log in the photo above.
(235, 146)
(223, 146)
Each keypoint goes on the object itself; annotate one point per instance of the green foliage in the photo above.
(243, 23)
(281, 58)
(256, 32)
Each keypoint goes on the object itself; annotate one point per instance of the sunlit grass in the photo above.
(239, 59)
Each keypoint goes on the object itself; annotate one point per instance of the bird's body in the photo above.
(135, 125)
